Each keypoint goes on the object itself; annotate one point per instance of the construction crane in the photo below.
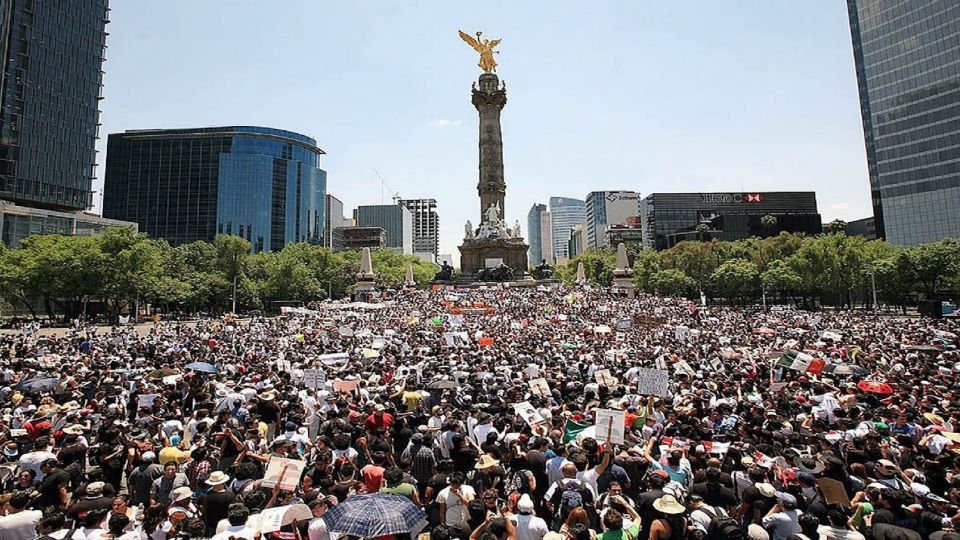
(383, 184)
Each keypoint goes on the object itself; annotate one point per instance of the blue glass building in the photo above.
(907, 57)
(51, 55)
(184, 185)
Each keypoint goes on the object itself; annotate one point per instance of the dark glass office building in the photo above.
(670, 218)
(907, 55)
(184, 185)
(52, 53)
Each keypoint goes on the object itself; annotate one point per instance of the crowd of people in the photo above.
(481, 408)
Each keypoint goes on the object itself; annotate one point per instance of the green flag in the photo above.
(437, 321)
(573, 429)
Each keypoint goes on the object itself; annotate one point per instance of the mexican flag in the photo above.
(797, 360)
(573, 429)
(801, 361)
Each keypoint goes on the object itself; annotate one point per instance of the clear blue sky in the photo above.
(704, 95)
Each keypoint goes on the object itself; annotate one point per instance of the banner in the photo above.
(285, 471)
(486, 342)
(314, 378)
(610, 425)
(653, 382)
(624, 324)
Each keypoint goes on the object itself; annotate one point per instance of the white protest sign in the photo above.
(653, 382)
(314, 378)
(285, 471)
(624, 324)
(604, 377)
(146, 400)
(683, 367)
(540, 387)
(528, 413)
(609, 425)
(272, 519)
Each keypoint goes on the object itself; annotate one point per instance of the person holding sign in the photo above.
(675, 464)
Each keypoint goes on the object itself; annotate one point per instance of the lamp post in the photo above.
(329, 288)
(233, 306)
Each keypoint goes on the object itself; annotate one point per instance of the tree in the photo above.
(781, 279)
(736, 278)
(836, 226)
(598, 264)
(934, 264)
(768, 221)
(646, 264)
(697, 260)
(673, 282)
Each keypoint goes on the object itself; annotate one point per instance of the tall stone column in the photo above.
(489, 100)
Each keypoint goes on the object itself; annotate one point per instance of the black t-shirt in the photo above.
(214, 505)
(50, 488)
(464, 458)
(715, 495)
(269, 412)
(646, 510)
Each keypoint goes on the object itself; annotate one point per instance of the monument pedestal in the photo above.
(476, 254)
(626, 286)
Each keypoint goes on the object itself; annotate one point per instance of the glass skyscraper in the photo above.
(184, 185)
(52, 53)
(535, 234)
(564, 214)
(907, 57)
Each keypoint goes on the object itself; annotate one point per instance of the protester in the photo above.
(529, 413)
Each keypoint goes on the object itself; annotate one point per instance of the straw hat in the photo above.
(74, 429)
(216, 478)
(934, 419)
(267, 396)
(70, 406)
(668, 505)
(486, 462)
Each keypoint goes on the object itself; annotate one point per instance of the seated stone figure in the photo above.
(445, 273)
(543, 270)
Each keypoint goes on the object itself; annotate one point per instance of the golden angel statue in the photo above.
(485, 48)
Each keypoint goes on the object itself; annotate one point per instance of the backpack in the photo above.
(570, 496)
(722, 526)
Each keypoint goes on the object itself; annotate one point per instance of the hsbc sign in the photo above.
(731, 198)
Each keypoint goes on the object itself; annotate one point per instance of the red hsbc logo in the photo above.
(752, 197)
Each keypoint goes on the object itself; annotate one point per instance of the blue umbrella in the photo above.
(203, 367)
(375, 515)
(38, 385)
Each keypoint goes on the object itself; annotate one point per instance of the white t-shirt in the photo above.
(456, 509)
(20, 526)
(530, 527)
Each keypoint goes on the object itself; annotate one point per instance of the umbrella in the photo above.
(442, 385)
(375, 515)
(875, 387)
(926, 348)
(203, 367)
(38, 385)
(163, 372)
(765, 330)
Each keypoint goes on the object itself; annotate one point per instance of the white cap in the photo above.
(525, 504)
